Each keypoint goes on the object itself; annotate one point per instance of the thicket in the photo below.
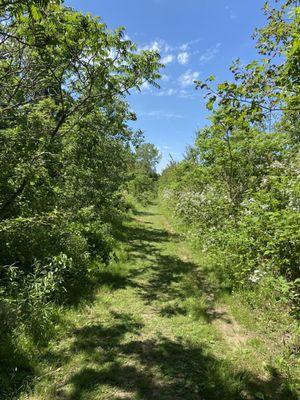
(238, 188)
(67, 154)
(143, 183)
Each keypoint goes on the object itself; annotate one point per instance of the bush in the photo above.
(250, 240)
(99, 239)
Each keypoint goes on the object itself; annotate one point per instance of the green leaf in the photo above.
(259, 395)
(210, 103)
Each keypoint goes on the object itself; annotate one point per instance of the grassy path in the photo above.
(145, 336)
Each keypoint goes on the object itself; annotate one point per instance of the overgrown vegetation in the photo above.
(66, 156)
(238, 186)
(71, 167)
(143, 185)
(236, 193)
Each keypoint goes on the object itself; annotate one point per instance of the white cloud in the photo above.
(157, 45)
(184, 46)
(127, 37)
(181, 93)
(167, 92)
(184, 94)
(167, 59)
(171, 92)
(112, 53)
(183, 58)
(188, 45)
(188, 78)
(146, 87)
(164, 48)
(210, 53)
(232, 15)
(165, 78)
(161, 114)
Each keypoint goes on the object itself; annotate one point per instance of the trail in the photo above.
(147, 334)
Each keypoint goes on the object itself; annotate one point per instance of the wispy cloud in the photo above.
(167, 92)
(232, 15)
(127, 37)
(180, 93)
(165, 78)
(181, 52)
(183, 58)
(188, 45)
(146, 87)
(184, 46)
(188, 78)
(184, 94)
(210, 54)
(167, 59)
(160, 114)
(159, 45)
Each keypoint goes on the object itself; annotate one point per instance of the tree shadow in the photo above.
(158, 368)
(169, 277)
(143, 213)
(113, 280)
(166, 279)
(128, 364)
(89, 337)
(148, 234)
(16, 370)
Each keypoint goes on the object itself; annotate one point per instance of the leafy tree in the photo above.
(147, 156)
(56, 68)
(269, 86)
(65, 155)
(237, 188)
(144, 180)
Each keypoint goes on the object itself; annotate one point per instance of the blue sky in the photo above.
(196, 38)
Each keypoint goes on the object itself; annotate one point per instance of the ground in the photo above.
(155, 331)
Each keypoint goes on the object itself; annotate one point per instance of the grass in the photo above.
(154, 330)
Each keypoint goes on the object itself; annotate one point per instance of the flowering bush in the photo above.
(250, 228)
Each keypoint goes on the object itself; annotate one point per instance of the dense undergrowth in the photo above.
(237, 190)
(263, 308)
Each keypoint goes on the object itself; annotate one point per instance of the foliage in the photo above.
(66, 153)
(143, 184)
(237, 190)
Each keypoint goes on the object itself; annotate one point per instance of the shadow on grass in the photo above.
(16, 370)
(148, 235)
(153, 368)
(123, 363)
(130, 366)
(143, 213)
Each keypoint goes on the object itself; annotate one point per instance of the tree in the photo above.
(65, 152)
(267, 87)
(238, 188)
(58, 66)
(144, 180)
(147, 156)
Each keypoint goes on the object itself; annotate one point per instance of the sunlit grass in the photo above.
(154, 331)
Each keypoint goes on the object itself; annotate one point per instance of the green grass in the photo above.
(154, 331)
